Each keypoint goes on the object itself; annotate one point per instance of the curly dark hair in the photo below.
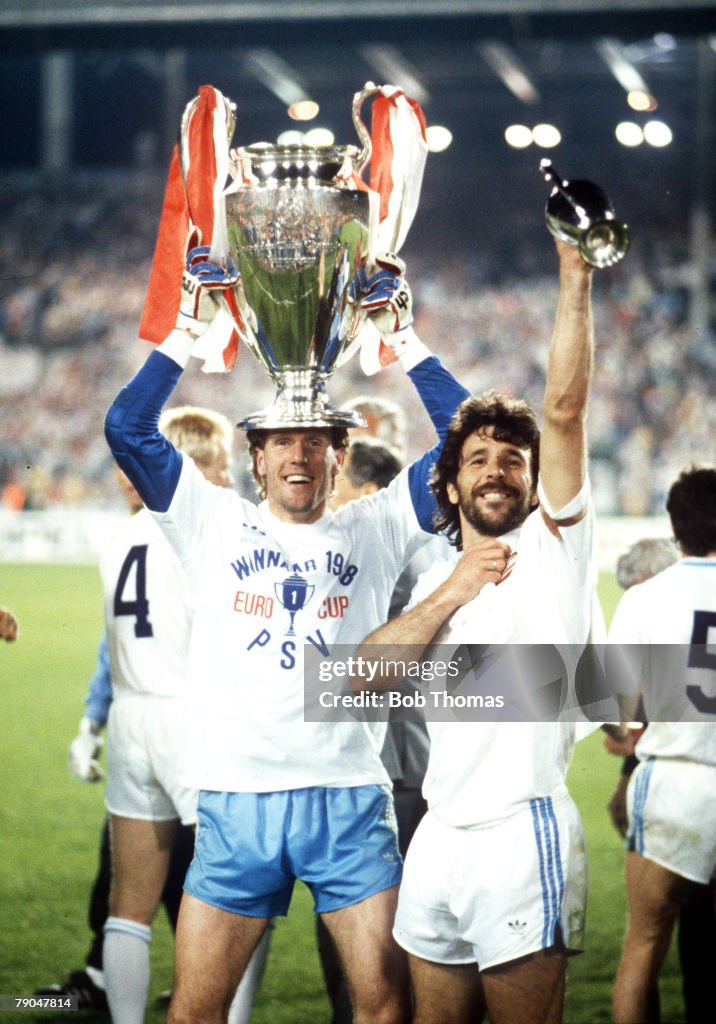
(691, 505)
(256, 439)
(512, 421)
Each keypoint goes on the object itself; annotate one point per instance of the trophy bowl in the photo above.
(298, 233)
(581, 214)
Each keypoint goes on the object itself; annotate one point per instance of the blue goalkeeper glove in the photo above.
(384, 295)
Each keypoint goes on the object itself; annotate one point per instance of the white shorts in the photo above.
(672, 818)
(490, 895)
(144, 762)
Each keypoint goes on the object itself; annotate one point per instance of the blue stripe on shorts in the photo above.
(635, 835)
(251, 847)
(550, 865)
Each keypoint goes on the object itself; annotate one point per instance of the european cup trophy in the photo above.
(579, 212)
(299, 225)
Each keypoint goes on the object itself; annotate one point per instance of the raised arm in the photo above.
(441, 394)
(387, 297)
(131, 425)
(563, 447)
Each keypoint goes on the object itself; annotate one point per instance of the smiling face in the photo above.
(493, 489)
(298, 468)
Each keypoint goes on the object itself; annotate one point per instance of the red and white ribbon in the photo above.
(194, 198)
(400, 149)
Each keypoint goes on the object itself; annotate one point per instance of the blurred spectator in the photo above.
(74, 263)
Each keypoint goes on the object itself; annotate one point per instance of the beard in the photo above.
(499, 523)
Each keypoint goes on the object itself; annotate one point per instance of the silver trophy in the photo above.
(298, 233)
(579, 212)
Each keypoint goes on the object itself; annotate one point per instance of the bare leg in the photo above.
(140, 860)
(213, 949)
(529, 990)
(654, 896)
(375, 966)
(446, 994)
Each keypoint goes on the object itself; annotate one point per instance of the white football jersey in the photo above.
(672, 619)
(481, 772)
(263, 589)
(147, 606)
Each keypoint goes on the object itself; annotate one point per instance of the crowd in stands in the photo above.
(74, 263)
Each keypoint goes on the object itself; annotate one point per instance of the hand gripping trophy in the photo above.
(295, 225)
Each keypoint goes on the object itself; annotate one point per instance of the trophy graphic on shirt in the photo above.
(580, 213)
(292, 595)
(298, 233)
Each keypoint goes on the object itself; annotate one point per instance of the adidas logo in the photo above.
(517, 927)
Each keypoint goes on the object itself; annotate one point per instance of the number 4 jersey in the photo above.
(672, 617)
(147, 610)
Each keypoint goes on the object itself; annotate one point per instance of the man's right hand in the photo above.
(84, 752)
(488, 561)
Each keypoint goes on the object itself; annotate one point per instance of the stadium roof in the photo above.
(47, 22)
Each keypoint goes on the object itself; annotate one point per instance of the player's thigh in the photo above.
(446, 993)
(375, 966)
(140, 861)
(530, 990)
(213, 949)
(654, 896)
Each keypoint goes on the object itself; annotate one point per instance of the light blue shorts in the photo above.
(251, 847)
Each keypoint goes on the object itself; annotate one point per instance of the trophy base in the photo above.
(301, 403)
(278, 418)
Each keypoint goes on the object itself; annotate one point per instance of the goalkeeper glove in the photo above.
(202, 283)
(386, 297)
(84, 752)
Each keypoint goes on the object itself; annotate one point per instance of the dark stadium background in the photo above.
(92, 97)
(135, 65)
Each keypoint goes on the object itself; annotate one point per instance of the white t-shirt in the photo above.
(147, 605)
(672, 619)
(263, 588)
(481, 772)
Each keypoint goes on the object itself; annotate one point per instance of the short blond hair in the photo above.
(205, 436)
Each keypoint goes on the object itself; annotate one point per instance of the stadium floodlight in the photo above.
(303, 110)
(519, 136)
(616, 58)
(292, 137)
(641, 101)
(439, 138)
(547, 136)
(319, 137)
(629, 134)
(658, 134)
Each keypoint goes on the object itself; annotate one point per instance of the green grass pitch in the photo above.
(50, 825)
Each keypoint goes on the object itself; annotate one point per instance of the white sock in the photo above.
(125, 958)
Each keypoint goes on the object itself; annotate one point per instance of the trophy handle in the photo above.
(369, 89)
